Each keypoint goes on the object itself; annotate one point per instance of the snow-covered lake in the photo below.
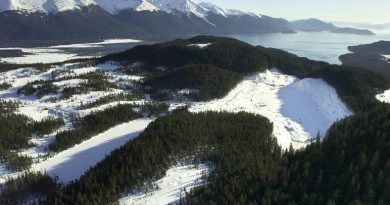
(299, 109)
(60, 53)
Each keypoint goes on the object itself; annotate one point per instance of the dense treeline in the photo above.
(351, 166)
(206, 81)
(46, 126)
(355, 86)
(231, 141)
(4, 67)
(95, 81)
(29, 188)
(92, 124)
(225, 53)
(15, 132)
(289, 63)
(14, 135)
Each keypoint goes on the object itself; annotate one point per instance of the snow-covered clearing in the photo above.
(170, 188)
(384, 97)
(74, 162)
(299, 109)
(200, 45)
(39, 109)
(58, 53)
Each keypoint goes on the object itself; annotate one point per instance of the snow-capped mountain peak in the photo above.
(182, 6)
(46, 6)
(186, 7)
(115, 6)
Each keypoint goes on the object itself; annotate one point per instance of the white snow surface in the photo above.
(386, 58)
(200, 45)
(384, 97)
(74, 162)
(170, 187)
(299, 109)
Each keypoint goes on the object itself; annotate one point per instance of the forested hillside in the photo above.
(350, 166)
(231, 141)
(355, 86)
(203, 81)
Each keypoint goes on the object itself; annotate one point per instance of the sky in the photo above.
(364, 11)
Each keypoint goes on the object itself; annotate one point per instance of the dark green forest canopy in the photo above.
(231, 141)
(208, 81)
(351, 165)
(226, 53)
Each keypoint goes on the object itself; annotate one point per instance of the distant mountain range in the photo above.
(318, 25)
(97, 19)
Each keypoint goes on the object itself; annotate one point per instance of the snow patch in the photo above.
(384, 97)
(171, 187)
(200, 45)
(386, 58)
(297, 108)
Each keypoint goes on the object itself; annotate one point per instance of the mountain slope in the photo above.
(87, 23)
(96, 19)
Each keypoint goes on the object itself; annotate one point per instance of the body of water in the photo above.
(323, 46)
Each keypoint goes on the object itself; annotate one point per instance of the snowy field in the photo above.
(299, 109)
(171, 187)
(384, 97)
(72, 163)
(58, 53)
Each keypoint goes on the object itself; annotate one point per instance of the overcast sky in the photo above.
(368, 11)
